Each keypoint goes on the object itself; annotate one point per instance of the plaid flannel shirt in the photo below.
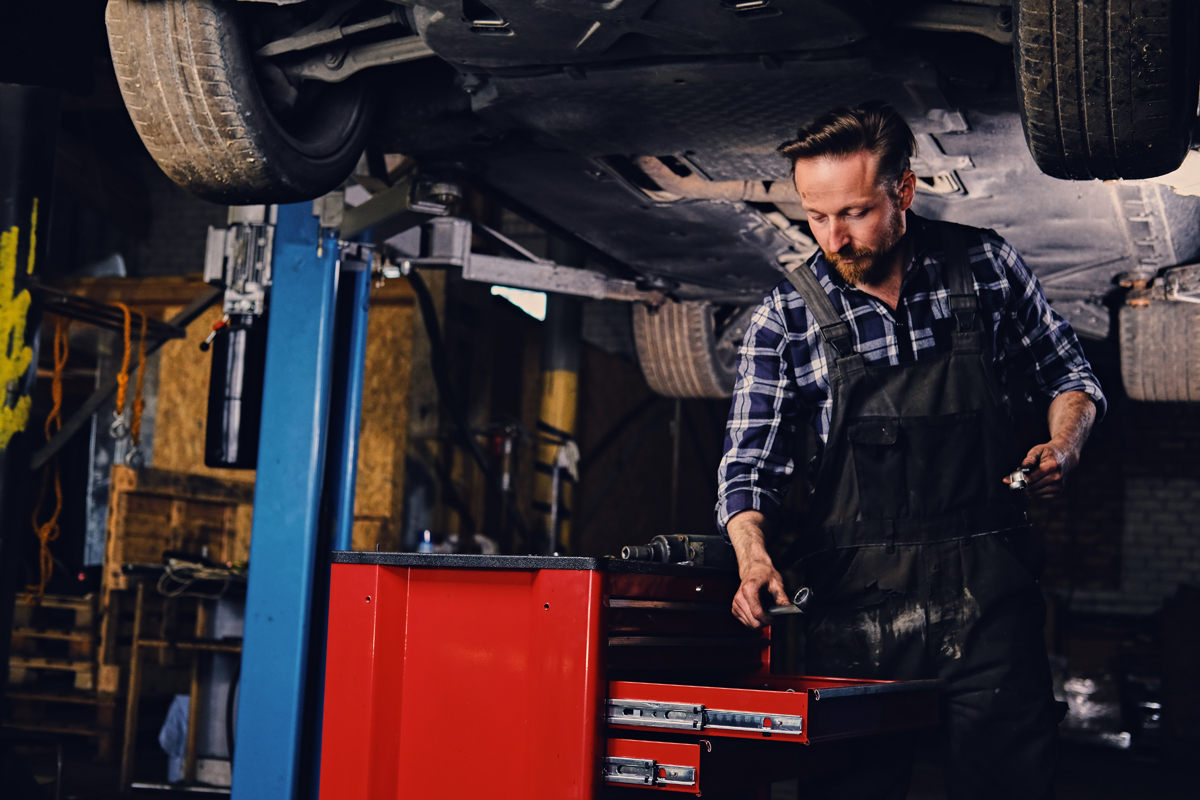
(783, 372)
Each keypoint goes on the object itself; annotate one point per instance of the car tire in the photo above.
(1160, 351)
(1106, 90)
(189, 81)
(681, 351)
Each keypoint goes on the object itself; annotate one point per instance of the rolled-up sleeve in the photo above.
(759, 460)
(1038, 340)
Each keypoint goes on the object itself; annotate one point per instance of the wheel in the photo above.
(223, 125)
(684, 349)
(1106, 90)
(1160, 351)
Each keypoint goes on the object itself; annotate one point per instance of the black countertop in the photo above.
(456, 561)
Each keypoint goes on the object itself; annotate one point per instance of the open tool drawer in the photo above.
(698, 721)
(550, 678)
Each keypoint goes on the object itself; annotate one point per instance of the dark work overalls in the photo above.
(921, 560)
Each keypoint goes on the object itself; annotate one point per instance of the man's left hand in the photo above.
(1048, 465)
(1070, 417)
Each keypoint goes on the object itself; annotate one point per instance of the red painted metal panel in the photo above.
(363, 680)
(496, 689)
(674, 753)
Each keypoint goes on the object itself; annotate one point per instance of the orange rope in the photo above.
(48, 531)
(123, 375)
(135, 426)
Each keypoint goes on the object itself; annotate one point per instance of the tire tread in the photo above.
(175, 61)
(675, 347)
(1096, 102)
(1160, 352)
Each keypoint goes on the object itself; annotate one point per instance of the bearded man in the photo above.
(894, 342)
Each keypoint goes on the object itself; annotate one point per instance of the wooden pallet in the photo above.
(154, 510)
(63, 711)
(80, 645)
(53, 635)
(52, 671)
(24, 670)
(57, 611)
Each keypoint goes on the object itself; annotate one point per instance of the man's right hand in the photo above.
(759, 577)
(758, 581)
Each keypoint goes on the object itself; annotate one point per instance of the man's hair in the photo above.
(874, 126)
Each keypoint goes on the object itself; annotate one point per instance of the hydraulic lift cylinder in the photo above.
(557, 454)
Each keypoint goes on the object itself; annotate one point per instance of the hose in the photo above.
(441, 378)
(231, 697)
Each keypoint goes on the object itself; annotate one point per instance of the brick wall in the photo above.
(1127, 535)
(1160, 546)
(174, 241)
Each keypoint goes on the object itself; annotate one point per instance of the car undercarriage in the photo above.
(645, 131)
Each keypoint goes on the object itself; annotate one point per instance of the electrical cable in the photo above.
(694, 436)
(619, 466)
(185, 574)
(613, 434)
(441, 378)
(231, 698)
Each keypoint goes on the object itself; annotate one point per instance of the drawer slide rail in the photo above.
(647, 772)
(695, 717)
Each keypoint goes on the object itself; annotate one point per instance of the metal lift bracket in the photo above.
(447, 243)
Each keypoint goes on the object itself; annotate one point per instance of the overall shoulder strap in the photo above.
(964, 303)
(834, 330)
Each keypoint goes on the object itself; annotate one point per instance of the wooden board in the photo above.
(153, 510)
(383, 442)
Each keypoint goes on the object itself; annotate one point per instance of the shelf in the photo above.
(53, 696)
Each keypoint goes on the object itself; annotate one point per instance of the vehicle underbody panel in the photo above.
(561, 144)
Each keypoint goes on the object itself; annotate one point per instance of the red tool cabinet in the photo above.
(504, 677)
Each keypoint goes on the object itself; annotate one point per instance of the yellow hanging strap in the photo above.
(47, 531)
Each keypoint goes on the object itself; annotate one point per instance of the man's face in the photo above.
(855, 220)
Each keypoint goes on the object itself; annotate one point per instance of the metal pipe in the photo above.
(695, 187)
(350, 361)
(676, 431)
(552, 492)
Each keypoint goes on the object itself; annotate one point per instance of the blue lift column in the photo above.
(284, 553)
(341, 472)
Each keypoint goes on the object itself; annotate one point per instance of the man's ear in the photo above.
(906, 189)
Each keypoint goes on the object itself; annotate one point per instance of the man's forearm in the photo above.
(747, 532)
(1071, 416)
(759, 577)
(1047, 465)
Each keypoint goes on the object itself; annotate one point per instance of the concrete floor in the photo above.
(1085, 772)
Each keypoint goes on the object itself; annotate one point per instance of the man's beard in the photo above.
(870, 265)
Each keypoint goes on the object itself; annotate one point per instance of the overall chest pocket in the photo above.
(918, 466)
